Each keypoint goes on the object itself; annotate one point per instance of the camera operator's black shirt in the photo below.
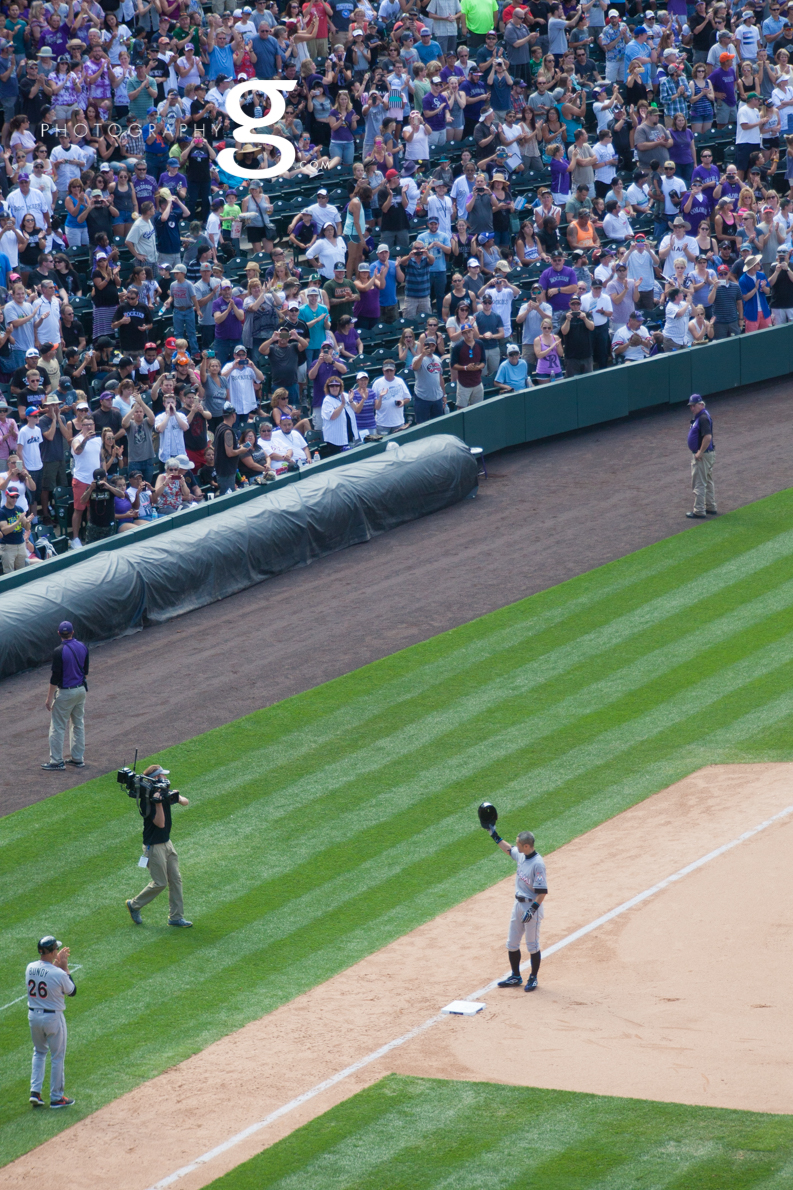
(156, 834)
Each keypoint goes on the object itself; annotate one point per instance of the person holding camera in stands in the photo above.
(159, 853)
(101, 497)
(170, 425)
(576, 331)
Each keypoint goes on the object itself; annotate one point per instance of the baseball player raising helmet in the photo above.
(48, 982)
(531, 889)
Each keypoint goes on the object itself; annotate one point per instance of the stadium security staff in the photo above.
(161, 859)
(48, 981)
(703, 450)
(531, 889)
(66, 699)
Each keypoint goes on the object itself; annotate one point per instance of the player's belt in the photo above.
(52, 1010)
(521, 899)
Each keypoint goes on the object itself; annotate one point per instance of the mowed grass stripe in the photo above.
(425, 732)
(463, 767)
(425, 1134)
(467, 657)
(287, 891)
(394, 686)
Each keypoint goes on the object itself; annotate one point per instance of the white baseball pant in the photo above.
(519, 930)
(48, 1030)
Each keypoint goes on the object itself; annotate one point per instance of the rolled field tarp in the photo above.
(173, 573)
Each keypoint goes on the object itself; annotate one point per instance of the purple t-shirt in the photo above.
(724, 81)
(145, 187)
(73, 655)
(553, 279)
(435, 108)
(344, 131)
(700, 209)
(231, 327)
(560, 176)
(171, 181)
(323, 372)
(706, 173)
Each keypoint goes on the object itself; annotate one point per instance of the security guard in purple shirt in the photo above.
(702, 447)
(66, 699)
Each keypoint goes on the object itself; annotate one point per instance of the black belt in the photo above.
(517, 898)
(52, 1010)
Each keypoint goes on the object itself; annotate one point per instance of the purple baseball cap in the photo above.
(65, 628)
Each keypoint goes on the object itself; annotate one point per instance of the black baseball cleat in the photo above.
(179, 921)
(35, 1099)
(696, 516)
(711, 512)
(54, 766)
(512, 981)
(531, 984)
(62, 1102)
(135, 914)
(78, 764)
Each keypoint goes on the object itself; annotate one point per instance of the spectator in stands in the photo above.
(632, 342)
(243, 377)
(726, 299)
(139, 424)
(754, 287)
(339, 424)
(392, 397)
(577, 336)
(429, 396)
(289, 444)
(86, 454)
(780, 283)
(513, 373)
(13, 525)
(170, 425)
(103, 491)
(467, 367)
(171, 492)
(8, 435)
(229, 317)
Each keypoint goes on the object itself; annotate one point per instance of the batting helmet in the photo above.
(48, 943)
(488, 815)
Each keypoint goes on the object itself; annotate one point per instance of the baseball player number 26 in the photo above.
(246, 133)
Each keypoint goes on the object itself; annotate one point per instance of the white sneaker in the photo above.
(75, 544)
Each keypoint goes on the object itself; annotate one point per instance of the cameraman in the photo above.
(160, 853)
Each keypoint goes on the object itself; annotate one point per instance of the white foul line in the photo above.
(3, 1007)
(391, 1045)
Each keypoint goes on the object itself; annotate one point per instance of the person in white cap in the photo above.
(323, 212)
(242, 376)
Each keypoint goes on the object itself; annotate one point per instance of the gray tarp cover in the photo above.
(179, 571)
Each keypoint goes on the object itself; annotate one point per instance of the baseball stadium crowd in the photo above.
(484, 197)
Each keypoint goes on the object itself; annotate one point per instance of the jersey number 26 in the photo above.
(42, 992)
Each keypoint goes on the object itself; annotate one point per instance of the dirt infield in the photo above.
(668, 1001)
(531, 526)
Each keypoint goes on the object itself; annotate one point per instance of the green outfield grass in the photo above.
(333, 822)
(409, 1133)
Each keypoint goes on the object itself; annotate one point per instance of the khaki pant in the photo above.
(702, 482)
(469, 396)
(15, 557)
(68, 708)
(164, 872)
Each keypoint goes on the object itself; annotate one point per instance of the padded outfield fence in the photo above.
(516, 418)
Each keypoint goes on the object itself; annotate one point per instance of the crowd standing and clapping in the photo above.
(484, 197)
